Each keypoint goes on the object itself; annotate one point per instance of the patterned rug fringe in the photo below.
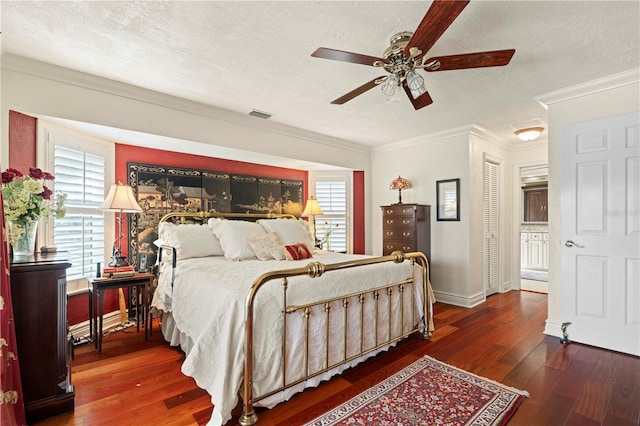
(447, 396)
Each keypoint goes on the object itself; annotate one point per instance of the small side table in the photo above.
(99, 285)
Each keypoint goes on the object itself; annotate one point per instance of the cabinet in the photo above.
(535, 204)
(534, 250)
(406, 227)
(39, 294)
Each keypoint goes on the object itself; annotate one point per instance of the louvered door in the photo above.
(490, 225)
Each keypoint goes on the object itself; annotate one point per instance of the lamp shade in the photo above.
(120, 199)
(529, 133)
(312, 208)
(399, 183)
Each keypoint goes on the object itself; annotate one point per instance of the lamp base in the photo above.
(117, 259)
(399, 196)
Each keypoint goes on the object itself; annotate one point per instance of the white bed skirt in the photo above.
(175, 337)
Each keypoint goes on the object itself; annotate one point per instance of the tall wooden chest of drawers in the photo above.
(406, 227)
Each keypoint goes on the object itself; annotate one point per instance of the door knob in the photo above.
(570, 243)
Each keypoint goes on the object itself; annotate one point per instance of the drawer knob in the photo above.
(406, 234)
(406, 222)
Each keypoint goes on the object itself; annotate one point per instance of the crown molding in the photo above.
(466, 130)
(429, 138)
(590, 87)
(52, 72)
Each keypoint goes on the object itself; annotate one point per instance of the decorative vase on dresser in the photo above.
(39, 293)
(406, 227)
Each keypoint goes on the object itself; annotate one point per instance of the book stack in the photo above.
(118, 271)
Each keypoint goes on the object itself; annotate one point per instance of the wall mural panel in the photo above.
(163, 189)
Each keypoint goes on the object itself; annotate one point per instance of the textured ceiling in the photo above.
(245, 55)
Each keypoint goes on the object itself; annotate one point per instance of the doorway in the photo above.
(534, 228)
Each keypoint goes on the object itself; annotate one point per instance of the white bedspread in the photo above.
(207, 305)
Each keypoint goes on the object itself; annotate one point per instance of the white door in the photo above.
(601, 232)
(490, 216)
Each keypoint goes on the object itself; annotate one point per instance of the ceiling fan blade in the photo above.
(438, 18)
(358, 91)
(495, 58)
(341, 55)
(419, 102)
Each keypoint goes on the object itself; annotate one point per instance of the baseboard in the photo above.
(552, 328)
(457, 300)
(81, 330)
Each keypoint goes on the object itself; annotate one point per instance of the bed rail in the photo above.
(317, 269)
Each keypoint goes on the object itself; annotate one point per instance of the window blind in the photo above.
(80, 175)
(331, 194)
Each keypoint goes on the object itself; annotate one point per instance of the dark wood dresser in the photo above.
(406, 227)
(39, 294)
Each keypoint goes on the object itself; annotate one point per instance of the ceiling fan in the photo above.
(406, 53)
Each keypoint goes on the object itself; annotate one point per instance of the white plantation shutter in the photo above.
(81, 176)
(331, 193)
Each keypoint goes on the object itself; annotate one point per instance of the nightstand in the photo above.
(96, 302)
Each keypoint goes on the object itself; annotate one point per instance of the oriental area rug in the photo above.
(428, 392)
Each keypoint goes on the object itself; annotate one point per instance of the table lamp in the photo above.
(121, 200)
(312, 208)
(399, 183)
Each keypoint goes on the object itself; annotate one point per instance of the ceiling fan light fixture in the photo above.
(414, 81)
(390, 85)
(529, 134)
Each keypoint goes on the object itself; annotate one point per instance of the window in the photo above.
(80, 165)
(332, 193)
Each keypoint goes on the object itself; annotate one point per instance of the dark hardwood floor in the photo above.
(133, 382)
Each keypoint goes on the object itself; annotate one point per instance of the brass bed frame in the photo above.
(316, 269)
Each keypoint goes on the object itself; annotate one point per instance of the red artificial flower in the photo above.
(46, 194)
(15, 172)
(36, 173)
(48, 176)
(7, 176)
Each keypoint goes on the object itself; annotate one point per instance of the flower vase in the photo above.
(23, 237)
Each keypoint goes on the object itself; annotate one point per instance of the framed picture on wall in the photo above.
(448, 199)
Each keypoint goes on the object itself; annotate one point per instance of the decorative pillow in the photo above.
(267, 246)
(297, 251)
(190, 240)
(234, 236)
(291, 231)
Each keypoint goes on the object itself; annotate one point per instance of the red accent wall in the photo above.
(22, 141)
(358, 212)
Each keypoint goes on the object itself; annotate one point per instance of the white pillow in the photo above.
(233, 236)
(190, 240)
(267, 246)
(290, 231)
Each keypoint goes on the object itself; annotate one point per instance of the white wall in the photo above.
(456, 247)
(611, 96)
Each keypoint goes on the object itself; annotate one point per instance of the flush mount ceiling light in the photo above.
(529, 134)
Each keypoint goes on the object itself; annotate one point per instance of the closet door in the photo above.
(490, 225)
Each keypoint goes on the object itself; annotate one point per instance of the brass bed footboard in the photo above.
(317, 269)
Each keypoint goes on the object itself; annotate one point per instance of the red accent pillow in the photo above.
(297, 251)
